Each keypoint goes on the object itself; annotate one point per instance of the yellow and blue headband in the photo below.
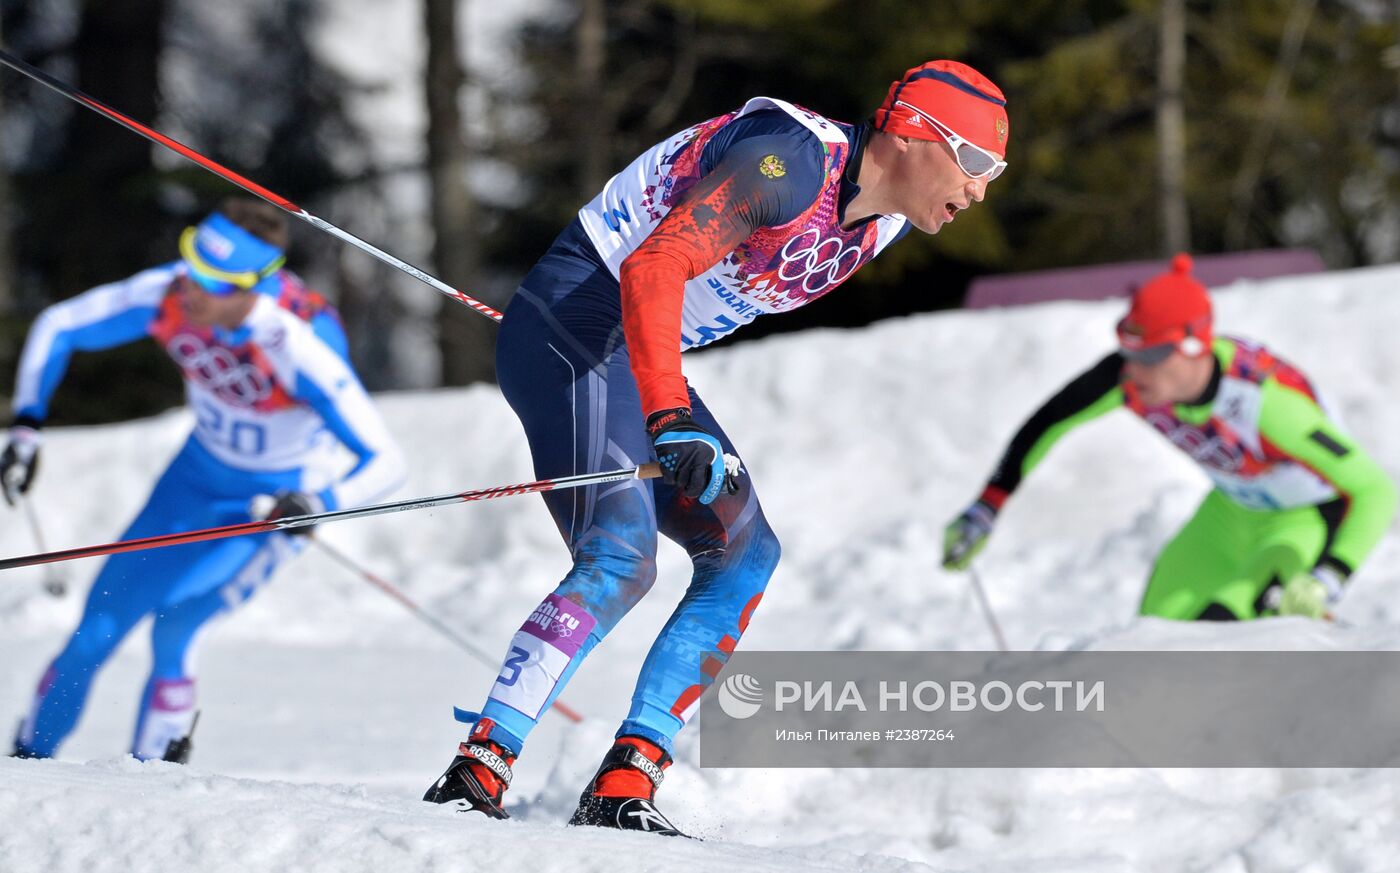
(223, 257)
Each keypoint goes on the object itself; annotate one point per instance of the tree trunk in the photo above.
(1395, 24)
(1262, 130)
(7, 261)
(593, 123)
(98, 216)
(1171, 129)
(466, 341)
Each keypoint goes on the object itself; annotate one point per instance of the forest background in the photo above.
(463, 136)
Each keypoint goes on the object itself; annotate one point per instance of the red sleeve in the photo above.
(714, 216)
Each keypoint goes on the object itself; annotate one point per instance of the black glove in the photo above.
(293, 503)
(19, 462)
(690, 456)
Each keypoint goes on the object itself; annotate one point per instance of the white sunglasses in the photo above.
(973, 160)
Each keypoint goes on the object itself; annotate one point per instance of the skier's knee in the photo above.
(609, 581)
(766, 548)
(634, 574)
(752, 556)
(92, 642)
(169, 644)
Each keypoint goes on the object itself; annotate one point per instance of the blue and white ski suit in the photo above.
(271, 399)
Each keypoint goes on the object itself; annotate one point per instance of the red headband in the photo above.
(969, 103)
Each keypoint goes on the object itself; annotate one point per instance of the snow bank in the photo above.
(862, 444)
(123, 816)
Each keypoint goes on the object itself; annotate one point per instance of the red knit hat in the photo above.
(969, 103)
(1171, 312)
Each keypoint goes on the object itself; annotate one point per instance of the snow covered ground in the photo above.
(326, 708)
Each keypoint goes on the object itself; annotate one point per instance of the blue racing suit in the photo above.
(570, 365)
(272, 399)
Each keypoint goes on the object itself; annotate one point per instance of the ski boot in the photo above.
(622, 794)
(19, 750)
(478, 777)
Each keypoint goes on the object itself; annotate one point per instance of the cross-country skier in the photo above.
(267, 376)
(1297, 503)
(758, 211)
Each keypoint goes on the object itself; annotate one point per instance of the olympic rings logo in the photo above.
(818, 263)
(1204, 447)
(235, 382)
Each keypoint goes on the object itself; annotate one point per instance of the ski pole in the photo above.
(178, 750)
(55, 579)
(248, 185)
(645, 471)
(431, 620)
(981, 593)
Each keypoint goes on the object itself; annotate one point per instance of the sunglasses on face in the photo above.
(973, 160)
(209, 286)
(1150, 356)
(216, 280)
